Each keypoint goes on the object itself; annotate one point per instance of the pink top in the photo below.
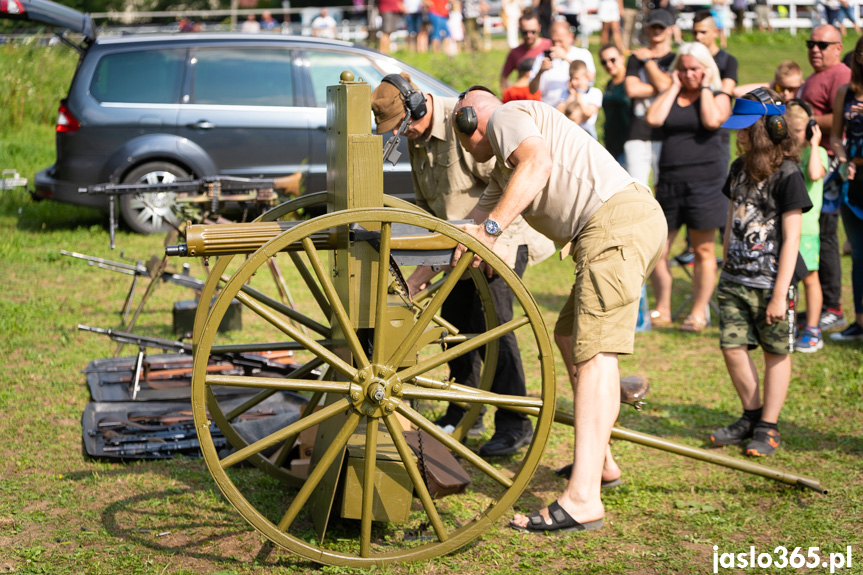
(521, 52)
(819, 91)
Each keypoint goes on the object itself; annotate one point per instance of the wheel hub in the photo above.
(159, 200)
(376, 391)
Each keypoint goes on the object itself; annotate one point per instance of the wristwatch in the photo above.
(491, 227)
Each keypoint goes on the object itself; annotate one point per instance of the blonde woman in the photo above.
(692, 170)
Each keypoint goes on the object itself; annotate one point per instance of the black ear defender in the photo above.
(810, 125)
(777, 125)
(415, 101)
(465, 117)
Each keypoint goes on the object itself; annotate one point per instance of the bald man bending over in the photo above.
(569, 188)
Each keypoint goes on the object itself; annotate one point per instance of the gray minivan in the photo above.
(153, 108)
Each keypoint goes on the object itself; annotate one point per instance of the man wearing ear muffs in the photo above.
(448, 183)
(569, 188)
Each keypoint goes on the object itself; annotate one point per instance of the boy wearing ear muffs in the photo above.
(762, 238)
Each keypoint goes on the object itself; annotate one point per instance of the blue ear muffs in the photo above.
(774, 119)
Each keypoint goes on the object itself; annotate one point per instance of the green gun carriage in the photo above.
(371, 360)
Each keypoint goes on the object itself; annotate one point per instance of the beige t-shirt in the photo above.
(448, 181)
(583, 173)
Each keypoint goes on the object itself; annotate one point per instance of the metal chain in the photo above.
(422, 462)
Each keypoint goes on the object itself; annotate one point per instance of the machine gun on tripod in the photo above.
(202, 199)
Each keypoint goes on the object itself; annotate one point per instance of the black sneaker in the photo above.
(507, 441)
(832, 319)
(765, 441)
(734, 433)
(853, 332)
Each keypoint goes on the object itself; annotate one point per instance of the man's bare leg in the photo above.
(596, 406)
(610, 469)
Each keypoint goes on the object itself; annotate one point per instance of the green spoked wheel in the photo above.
(368, 381)
(277, 465)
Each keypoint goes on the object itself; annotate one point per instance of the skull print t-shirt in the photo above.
(755, 236)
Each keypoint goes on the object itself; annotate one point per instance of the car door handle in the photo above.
(201, 125)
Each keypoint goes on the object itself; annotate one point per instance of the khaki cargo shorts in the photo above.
(614, 254)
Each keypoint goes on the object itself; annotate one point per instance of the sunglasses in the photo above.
(609, 61)
(821, 45)
(781, 88)
(526, 32)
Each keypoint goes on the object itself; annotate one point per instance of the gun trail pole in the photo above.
(702, 455)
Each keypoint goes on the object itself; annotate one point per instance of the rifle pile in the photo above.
(141, 404)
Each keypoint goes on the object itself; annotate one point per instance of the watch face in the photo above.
(491, 228)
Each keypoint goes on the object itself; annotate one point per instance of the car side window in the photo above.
(144, 77)
(243, 77)
(326, 67)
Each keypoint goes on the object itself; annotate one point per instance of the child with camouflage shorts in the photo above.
(768, 197)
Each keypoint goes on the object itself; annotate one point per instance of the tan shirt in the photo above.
(448, 182)
(583, 173)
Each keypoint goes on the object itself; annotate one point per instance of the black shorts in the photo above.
(698, 204)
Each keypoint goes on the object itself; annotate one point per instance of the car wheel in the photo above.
(150, 213)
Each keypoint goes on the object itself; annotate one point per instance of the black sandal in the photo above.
(560, 521)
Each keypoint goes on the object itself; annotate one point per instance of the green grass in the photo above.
(62, 513)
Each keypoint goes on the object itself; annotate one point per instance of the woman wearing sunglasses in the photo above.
(615, 102)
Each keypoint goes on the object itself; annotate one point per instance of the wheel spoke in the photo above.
(282, 285)
(292, 430)
(343, 387)
(291, 313)
(428, 291)
(342, 316)
(407, 456)
(462, 348)
(438, 320)
(310, 344)
(428, 314)
(381, 299)
(317, 473)
(454, 446)
(311, 284)
(259, 397)
(474, 396)
(369, 469)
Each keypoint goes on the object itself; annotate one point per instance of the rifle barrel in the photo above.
(106, 264)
